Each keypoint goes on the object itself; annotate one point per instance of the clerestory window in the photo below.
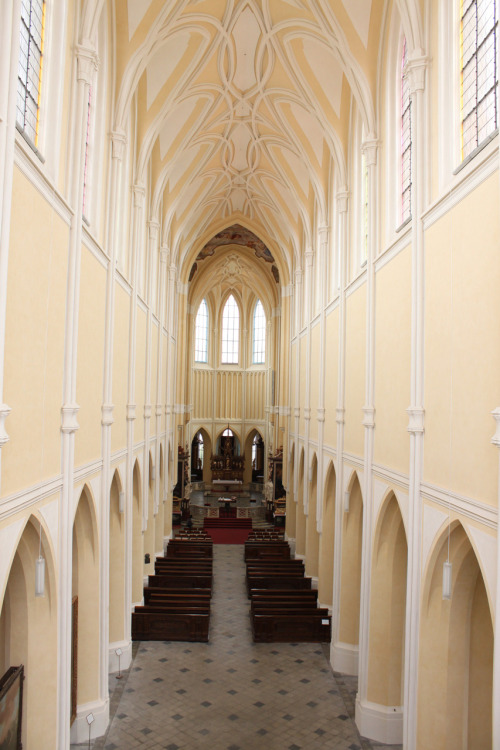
(29, 74)
(201, 333)
(230, 332)
(259, 335)
(406, 137)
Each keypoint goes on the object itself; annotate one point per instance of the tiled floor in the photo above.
(232, 694)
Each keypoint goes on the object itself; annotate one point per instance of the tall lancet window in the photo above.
(405, 141)
(230, 332)
(259, 335)
(29, 75)
(479, 72)
(201, 333)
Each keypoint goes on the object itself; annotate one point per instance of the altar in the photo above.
(227, 468)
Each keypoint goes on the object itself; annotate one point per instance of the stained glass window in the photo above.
(230, 332)
(29, 73)
(259, 334)
(201, 333)
(479, 74)
(405, 141)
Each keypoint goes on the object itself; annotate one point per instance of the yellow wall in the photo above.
(331, 376)
(140, 374)
(302, 384)
(120, 368)
(355, 371)
(315, 375)
(34, 344)
(392, 362)
(90, 370)
(463, 349)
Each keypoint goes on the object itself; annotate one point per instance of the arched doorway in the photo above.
(290, 500)
(300, 523)
(456, 652)
(116, 564)
(28, 636)
(325, 583)
(86, 593)
(350, 585)
(137, 538)
(312, 536)
(388, 608)
(149, 533)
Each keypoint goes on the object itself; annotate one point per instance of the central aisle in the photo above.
(231, 693)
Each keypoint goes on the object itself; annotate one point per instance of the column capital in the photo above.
(87, 62)
(309, 255)
(298, 275)
(496, 437)
(5, 410)
(340, 415)
(107, 415)
(118, 143)
(69, 414)
(296, 412)
(414, 72)
(307, 413)
(342, 198)
(323, 232)
(416, 416)
(147, 411)
(369, 149)
(164, 253)
(153, 229)
(172, 271)
(139, 192)
(130, 413)
(321, 414)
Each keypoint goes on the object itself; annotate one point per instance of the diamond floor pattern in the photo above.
(231, 694)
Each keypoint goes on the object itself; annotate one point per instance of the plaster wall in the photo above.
(355, 371)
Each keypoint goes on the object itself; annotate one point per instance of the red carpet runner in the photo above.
(228, 530)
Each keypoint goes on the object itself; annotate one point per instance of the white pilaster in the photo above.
(496, 653)
(415, 70)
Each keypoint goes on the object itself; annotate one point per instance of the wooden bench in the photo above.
(289, 626)
(172, 581)
(281, 581)
(164, 626)
(286, 593)
(258, 550)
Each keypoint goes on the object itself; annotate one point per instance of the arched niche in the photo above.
(290, 497)
(116, 562)
(300, 521)
(350, 585)
(325, 584)
(254, 457)
(86, 591)
(28, 635)
(388, 607)
(137, 536)
(456, 650)
(149, 533)
(312, 536)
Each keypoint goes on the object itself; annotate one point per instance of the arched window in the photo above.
(201, 333)
(479, 74)
(230, 332)
(405, 141)
(29, 75)
(259, 335)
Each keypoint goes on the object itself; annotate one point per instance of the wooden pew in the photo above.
(173, 581)
(164, 626)
(289, 626)
(270, 581)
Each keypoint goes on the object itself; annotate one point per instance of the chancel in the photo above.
(249, 257)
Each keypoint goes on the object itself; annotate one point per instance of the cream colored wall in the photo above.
(355, 371)
(89, 382)
(34, 338)
(154, 383)
(120, 368)
(331, 377)
(392, 362)
(462, 351)
(302, 384)
(140, 373)
(315, 375)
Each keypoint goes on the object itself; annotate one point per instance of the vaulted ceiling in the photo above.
(242, 112)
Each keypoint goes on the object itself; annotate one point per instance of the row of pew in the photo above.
(177, 598)
(283, 605)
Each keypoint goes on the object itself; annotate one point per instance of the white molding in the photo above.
(122, 281)
(391, 476)
(32, 169)
(87, 471)
(344, 658)
(355, 461)
(394, 248)
(141, 304)
(80, 728)
(462, 505)
(333, 305)
(380, 723)
(125, 658)
(90, 243)
(25, 498)
(356, 283)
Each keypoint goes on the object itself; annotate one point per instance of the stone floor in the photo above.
(231, 694)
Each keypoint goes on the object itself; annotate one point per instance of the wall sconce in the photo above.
(447, 566)
(347, 496)
(121, 502)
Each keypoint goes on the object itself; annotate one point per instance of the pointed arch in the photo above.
(326, 549)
